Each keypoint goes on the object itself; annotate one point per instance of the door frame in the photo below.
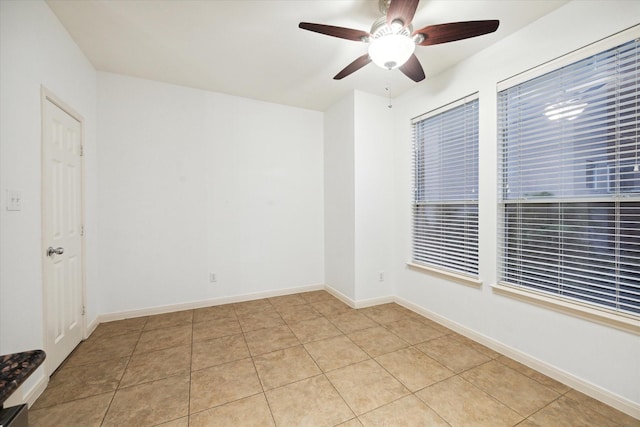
(48, 96)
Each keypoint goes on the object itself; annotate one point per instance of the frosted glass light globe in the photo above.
(391, 50)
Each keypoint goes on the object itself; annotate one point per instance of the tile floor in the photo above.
(302, 360)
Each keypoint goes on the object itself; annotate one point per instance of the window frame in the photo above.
(622, 320)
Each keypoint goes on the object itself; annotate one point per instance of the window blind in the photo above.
(569, 181)
(445, 188)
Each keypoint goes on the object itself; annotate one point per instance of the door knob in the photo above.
(57, 251)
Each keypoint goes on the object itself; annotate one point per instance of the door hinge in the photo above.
(81, 150)
(83, 310)
(82, 230)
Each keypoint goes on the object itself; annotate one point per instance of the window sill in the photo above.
(602, 316)
(460, 278)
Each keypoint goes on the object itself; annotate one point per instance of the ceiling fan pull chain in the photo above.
(388, 95)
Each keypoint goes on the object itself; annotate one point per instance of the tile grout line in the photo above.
(104, 417)
(190, 372)
(255, 370)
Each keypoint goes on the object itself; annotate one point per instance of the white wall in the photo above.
(339, 197)
(358, 175)
(600, 358)
(193, 182)
(35, 50)
(374, 179)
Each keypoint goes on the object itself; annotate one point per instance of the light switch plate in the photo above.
(14, 200)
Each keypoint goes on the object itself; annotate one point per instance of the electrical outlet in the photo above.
(14, 200)
(381, 276)
(213, 278)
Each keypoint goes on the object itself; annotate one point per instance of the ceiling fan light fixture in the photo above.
(392, 40)
(391, 51)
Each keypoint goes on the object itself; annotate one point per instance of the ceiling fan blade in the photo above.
(354, 66)
(340, 32)
(413, 69)
(443, 33)
(402, 10)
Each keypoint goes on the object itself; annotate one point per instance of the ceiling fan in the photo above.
(392, 40)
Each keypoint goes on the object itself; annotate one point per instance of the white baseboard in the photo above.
(598, 393)
(342, 297)
(34, 393)
(374, 301)
(29, 396)
(361, 303)
(91, 327)
(108, 317)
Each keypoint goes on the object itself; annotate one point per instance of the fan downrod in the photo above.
(383, 6)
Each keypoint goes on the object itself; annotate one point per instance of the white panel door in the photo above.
(62, 233)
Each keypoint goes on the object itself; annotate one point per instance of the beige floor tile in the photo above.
(297, 313)
(310, 402)
(314, 329)
(180, 422)
(462, 404)
(223, 384)
(413, 330)
(215, 312)
(167, 320)
(315, 296)
(517, 391)
(150, 403)
(155, 365)
(85, 412)
(216, 328)
(157, 339)
(566, 412)
(248, 307)
(527, 423)
(336, 352)
(476, 346)
(331, 307)
(354, 422)
(377, 341)
(266, 318)
(603, 409)
(287, 300)
(437, 326)
(384, 313)
(453, 354)
(366, 386)
(531, 373)
(408, 411)
(285, 366)
(251, 411)
(413, 368)
(72, 383)
(351, 321)
(218, 351)
(119, 327)
(136, 372)
(96, 350)
(410, 314)
(270, 339)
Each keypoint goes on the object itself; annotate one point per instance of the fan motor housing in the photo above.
(381, 28)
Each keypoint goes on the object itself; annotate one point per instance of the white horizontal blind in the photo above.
(569, 181)
(445, 188)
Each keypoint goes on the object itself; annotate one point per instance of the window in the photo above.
(569, 182)
(445, 188)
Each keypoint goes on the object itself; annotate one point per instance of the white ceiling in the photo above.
(254, 48)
